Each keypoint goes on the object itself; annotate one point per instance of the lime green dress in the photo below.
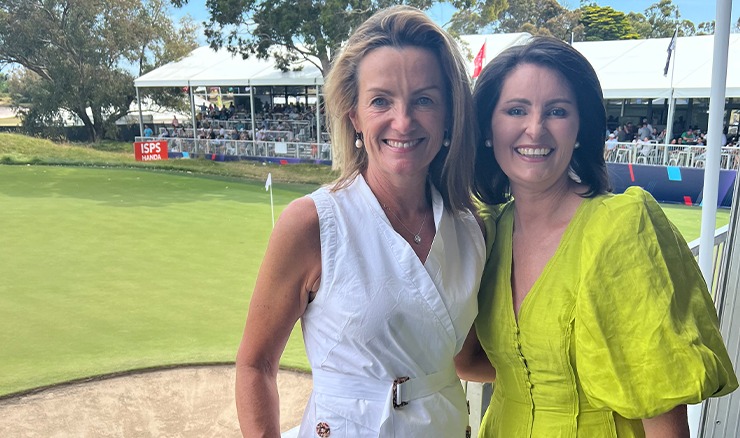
(618, 327)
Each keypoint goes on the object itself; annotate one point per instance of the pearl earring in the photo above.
(358, 140)
(577, 145)
(489, 144)
(446, 141)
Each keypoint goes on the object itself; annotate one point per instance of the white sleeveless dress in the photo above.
(380, 315)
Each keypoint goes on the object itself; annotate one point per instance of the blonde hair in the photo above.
(451, 171)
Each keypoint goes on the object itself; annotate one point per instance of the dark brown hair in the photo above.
(491, 184)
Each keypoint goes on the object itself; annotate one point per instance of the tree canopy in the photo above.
(605, 23)
(78, 56)
(661, 19)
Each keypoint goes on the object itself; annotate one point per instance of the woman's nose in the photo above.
(402, 119)
(535, 127)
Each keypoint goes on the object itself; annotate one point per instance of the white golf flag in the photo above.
(268, 183)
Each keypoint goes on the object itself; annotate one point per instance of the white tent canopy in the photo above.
(634, 68)
(626, 69)
(204, 67)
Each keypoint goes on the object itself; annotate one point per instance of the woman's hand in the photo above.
(290, 272)
(471, 363)
(672, 424)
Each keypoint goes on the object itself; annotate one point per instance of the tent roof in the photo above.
(205, 67)
(634, 68)
(626, 69)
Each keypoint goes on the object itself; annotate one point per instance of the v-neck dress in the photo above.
(381, 315)
(618, 327)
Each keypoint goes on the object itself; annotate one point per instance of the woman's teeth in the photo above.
(534, 152)
(401, 144)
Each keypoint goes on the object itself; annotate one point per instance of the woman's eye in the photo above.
(515, 112)
(558, 112)
(379, 101)
(424, 101)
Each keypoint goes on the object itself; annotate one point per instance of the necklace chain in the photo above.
(417, 235)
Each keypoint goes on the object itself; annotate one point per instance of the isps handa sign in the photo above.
(150, 150)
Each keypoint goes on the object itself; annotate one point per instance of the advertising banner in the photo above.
(150, 150)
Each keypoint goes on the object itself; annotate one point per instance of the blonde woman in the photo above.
(383, 266)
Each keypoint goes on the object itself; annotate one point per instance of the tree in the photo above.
(312, 31)
(534, 12)
(471, 20)
(663, 18)
(706, 28)
(639, 24)
(606, 24)
(566, 24)
(77, 55)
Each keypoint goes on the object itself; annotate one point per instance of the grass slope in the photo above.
(21, 149)
(107, 270)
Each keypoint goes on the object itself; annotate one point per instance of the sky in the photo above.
(695, 10)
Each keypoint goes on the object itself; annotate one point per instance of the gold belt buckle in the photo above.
(398, 393)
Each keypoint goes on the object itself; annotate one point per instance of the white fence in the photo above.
(280, 149)
(668, 155)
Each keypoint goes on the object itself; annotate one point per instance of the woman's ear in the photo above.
(355, 121)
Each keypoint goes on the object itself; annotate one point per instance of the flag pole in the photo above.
(671, 103)
(268, 186)
(272, 208)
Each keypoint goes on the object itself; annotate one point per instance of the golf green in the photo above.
(106, 270)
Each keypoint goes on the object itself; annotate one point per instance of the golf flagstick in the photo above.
(268, 186)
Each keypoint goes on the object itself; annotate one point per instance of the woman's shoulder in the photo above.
(491, 213)
(625, 214)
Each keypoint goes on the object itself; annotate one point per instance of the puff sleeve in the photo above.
(490, 214)
(645, 327)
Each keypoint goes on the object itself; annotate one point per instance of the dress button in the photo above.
(529, 385)
(323, 430)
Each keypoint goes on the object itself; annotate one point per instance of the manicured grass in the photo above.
(688, 219)
(107, 270)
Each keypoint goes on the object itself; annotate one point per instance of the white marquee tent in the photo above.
(627, 69)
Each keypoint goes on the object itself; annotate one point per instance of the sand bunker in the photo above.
(177, 403)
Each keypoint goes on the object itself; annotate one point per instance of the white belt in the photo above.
(404, 389)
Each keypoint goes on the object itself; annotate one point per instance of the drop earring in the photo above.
(446, 141)
(489, 144)
(358, 140)
(577, 145)
(573, 175)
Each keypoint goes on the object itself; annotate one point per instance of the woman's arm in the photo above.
(290, 271)
(672, 424)
(471, 363)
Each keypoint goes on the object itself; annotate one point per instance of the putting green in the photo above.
(107, 270)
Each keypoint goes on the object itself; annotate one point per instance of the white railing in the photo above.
(249, 148)
(660, 154)
(720, 238)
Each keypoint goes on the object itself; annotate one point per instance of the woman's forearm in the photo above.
(672, 424)
(257, 403)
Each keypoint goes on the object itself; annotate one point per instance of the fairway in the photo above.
(107, 270)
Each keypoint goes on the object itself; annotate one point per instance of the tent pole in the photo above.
(318, 124)
(141, 117)
(711, 171)
(251, 108)
(192, 115)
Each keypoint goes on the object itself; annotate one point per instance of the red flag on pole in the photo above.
(478, 62)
